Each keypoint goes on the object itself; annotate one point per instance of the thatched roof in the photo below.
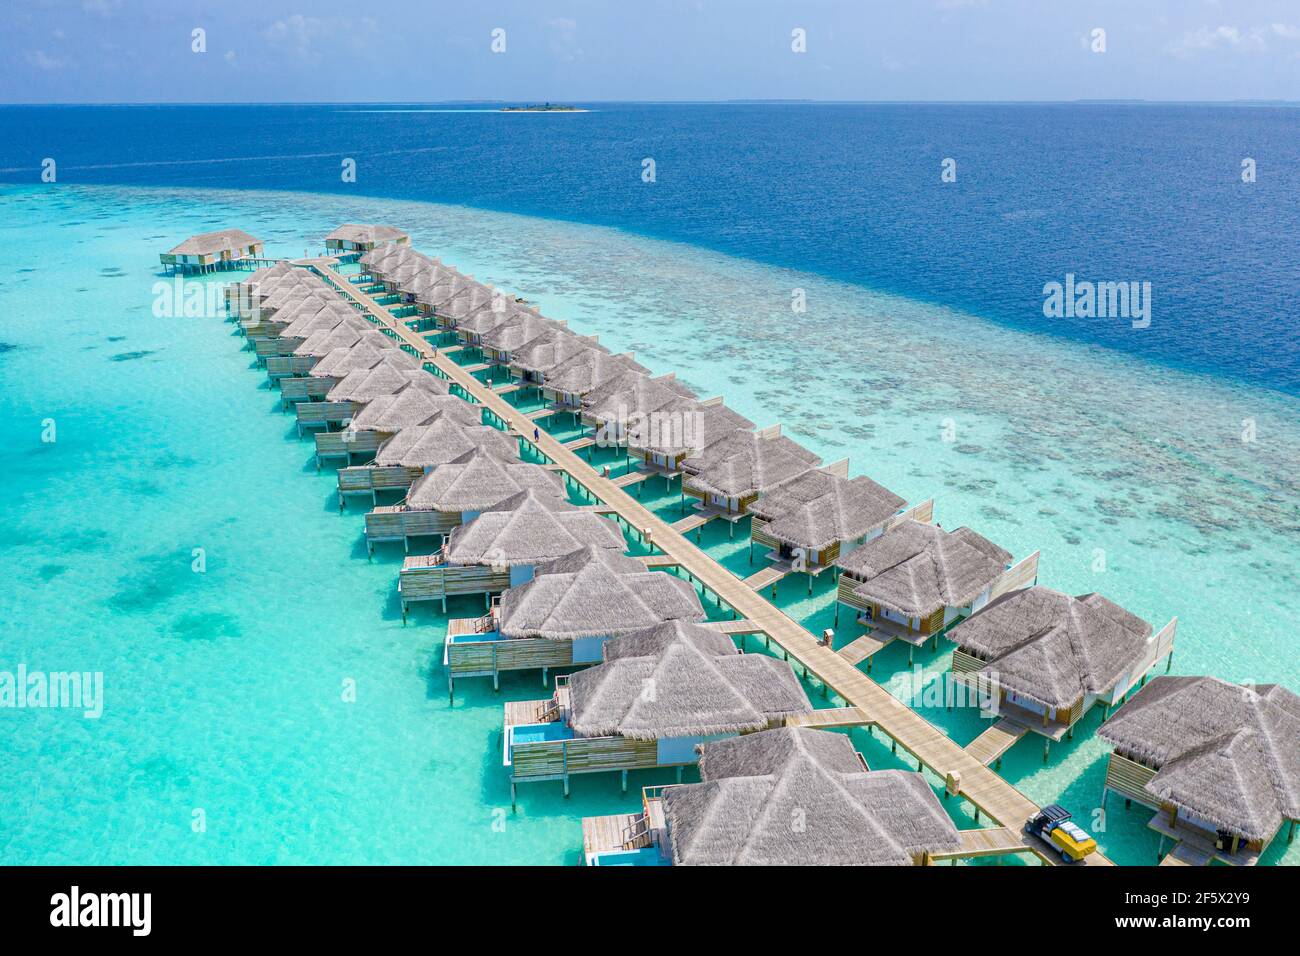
(480, 483)
(367, 353)
(367, 232)
(653, 641)
(447, 288)
(545, 354)
(819, 508)
(683, 691)
(444, 441)
(322, 343)
(413, 406)
(695, 427)
(1225, 752)
(915, 569)
(330, 317)
(1051, 647)
(521, 329)
(614, 560)
(747, 463)
(367, 384)
(529, 535)
(378, 255)
(634, 396)
(596, 601)
(754, 786)
(582, 373)
(208, 243)
(480, 317)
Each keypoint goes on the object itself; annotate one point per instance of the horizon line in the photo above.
(757, 101)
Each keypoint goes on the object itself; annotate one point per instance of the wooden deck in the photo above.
(989, 746)
(829, 718)
(862, 649)
(989, 841)
(769, 575)
(989, 793)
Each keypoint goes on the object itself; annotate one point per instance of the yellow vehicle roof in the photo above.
(1072, 837)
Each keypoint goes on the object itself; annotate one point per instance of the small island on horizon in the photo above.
(543, 108)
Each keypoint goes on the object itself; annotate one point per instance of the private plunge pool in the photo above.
(535, 733)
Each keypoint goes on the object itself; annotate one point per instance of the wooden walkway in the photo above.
(829, 718)
(659, 561)
(739, 626)
(1184, 854)
(990, 841)
(769, 575)
(687, 524)
(631, 478)
(862, 649)
(997, 740)
(990, 794)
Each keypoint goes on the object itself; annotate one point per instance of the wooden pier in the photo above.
(964, 774)
(989, 746)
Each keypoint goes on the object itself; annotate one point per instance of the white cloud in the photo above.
(43, 61)
(1250, 40)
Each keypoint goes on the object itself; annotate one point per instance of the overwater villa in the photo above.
(1218, 762)
(915, 580)
(565, 614)
(657, 696)
(751, 789)
(809, 520)
(667, 442)
(418, 449)
(1046, 658)
(531, 363)
(315, 376)
(362, 386)
(632, 403)
(387, 415)
(565, 386)
(729, 475)
(357, 237)
(284, 342)
(502, 548)
(474, 317)
(213, 251)
(521, 330)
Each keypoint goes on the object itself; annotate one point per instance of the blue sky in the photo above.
(428, 50)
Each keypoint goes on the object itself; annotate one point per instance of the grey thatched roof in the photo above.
(452, 292)
(819, 508)
(444, 441)
(683, 691)
(530, 534)
(629, 396)
(413, 406)
(653, 641)
(596, 601)
(543, 355)
(481, 483)
(614, 560)
(694, 427)
(322, 343)
(206, 243)
(385, 378)
(378, 255)
(521, 329)
(480, 317)
(367, 232)
(367, 353)
(330, 317)
(915, 569)
(755, 788)
(747, 463)
(581, 374)
(1051, 647)
(1225, 752)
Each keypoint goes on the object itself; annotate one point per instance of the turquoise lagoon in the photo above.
(229, 734)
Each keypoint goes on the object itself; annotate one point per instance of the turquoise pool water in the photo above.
(275, 695)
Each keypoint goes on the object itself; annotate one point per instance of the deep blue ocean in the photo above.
(1122, 193)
